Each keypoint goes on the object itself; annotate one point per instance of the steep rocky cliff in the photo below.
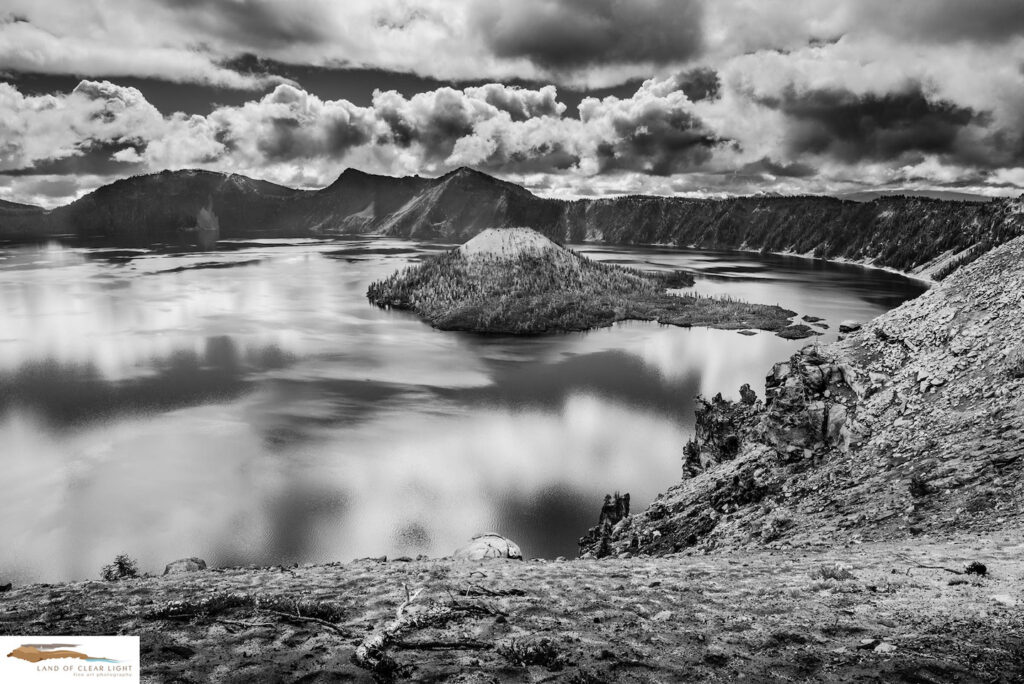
(913, 234)
(912, 425)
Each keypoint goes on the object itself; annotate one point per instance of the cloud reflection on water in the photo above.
(266, 414)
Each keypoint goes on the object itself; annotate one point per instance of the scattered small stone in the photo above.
(868, 644)
(884, 648)
(663, 616)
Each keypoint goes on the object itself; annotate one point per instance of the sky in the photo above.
(567, 97)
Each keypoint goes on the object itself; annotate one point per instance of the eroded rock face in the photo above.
(719, 431)
(597, 540)
(489, 546)
(185, 565)
(911, 425)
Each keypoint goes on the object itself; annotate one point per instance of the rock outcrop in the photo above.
(912, 425)
(598, 539)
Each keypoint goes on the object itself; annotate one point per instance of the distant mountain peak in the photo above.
(353, 172)
(18, 206)
(465, 177)
(466, 172)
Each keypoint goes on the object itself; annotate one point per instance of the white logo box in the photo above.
(79, 659)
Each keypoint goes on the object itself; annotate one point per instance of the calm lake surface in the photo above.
(250, 407)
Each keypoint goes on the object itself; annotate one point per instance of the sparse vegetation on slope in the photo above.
(538, 291)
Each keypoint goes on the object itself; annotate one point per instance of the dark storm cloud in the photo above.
(541, 157)
(658, 141)
(981, 21)
(254, 22)
(857, 127)
(767, 166)
(566, 34)
(701, 83)
(286, 138)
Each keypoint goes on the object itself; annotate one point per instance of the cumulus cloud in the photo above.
(659, 134)
(288, 123)
(520, 103)
(781, 95)
(49, 128)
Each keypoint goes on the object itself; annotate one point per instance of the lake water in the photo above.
(250, 407)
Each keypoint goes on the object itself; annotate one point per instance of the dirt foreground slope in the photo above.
(763, 616)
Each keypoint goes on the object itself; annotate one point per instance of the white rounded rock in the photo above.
(185, 565)
(487, 546)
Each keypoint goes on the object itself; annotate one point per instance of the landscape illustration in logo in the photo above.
(35, 653)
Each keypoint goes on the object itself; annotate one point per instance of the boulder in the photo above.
(780, 372)
(487, 546)
(185, 565)
(817, 413)
(849, 326)
(836, 421)
(815, 377)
